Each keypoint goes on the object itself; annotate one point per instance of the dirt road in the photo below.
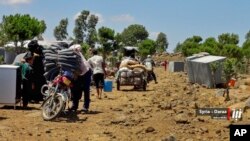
(165, 111)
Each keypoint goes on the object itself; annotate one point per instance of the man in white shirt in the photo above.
(82, 83)
(150, 64)
(97, 64)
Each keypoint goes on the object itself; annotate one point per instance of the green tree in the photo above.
(39, 36)
(106, 38)
(178, 48)
(118, 42)
(227, 38)
(191, 46)
(3, 38)
(229, 70)
(60, 31)
(246, 52)
(246, 47)
(134, 34)
(232, 51)
(195, 39)
(85, 50)
(91, 38)
(85, 28)
(247, 36)
(214, 67)
(81, 26)
(161, 42)
(147, 47)
(210, 46)
(18, 28)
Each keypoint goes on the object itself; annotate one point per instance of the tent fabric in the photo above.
(18, 58)
(2, 51)
(42, 43)
(199, 70)
(208, 59)
(131, 48)
(175, 66)
(188, 66)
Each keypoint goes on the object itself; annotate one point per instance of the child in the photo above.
(27, 78)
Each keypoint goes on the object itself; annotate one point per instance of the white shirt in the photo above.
(96, 62)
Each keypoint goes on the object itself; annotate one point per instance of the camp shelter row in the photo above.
(198, 68)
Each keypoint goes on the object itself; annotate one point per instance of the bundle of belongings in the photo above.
(65, 59)
(131, 72)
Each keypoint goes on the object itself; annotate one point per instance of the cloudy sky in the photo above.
(178, 19)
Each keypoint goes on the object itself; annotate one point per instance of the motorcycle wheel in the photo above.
(52, 107)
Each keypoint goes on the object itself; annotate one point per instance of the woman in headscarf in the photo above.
(38, 70)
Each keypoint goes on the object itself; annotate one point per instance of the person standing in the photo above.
(27, 78)
(98, 66)
(38, 70)
(150, 64)
(81, 83)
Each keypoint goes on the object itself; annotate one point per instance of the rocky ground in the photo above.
(166, 111)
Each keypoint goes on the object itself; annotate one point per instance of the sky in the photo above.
(178, 19)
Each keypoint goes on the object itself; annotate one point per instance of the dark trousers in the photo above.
(26, 92)
(38, 82)
(152, 74)
(99, 80)
(82, 83)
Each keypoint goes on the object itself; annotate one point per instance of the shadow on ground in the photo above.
(70, 116)
(3, 118)
(19, 108)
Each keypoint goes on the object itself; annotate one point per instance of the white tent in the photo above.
(199, 70)
(131, 48)
(44, 43)
(11, 44)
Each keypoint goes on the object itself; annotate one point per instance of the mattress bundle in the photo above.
(55, 60)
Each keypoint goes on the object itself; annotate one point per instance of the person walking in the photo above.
(150, 64)
(81, 83)
(98, 66)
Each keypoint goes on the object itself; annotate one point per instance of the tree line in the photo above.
(18, 28)
(225, 45)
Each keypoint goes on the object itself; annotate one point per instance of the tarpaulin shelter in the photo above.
(18, 58)
(2, 51)
(188, 66)
(131, 48)
(199, 70)
(130, 51)
(175, 66)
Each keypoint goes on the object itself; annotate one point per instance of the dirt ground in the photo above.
(166, 111)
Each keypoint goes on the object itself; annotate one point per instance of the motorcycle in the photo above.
(57, 93)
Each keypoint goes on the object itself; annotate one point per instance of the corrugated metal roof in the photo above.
(208, 59)
(194, 56)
